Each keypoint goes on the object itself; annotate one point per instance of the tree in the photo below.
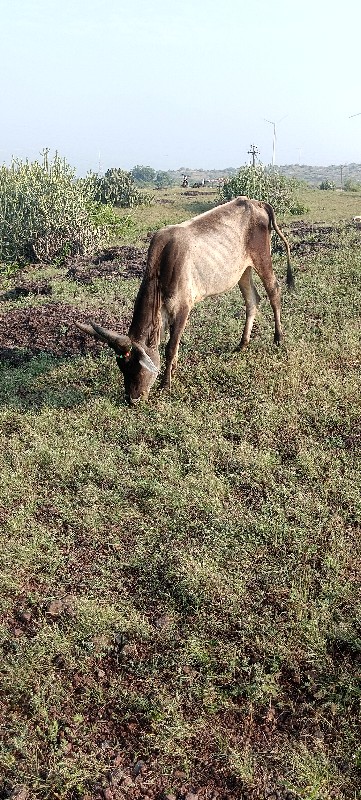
(163, 179)
(142, 175)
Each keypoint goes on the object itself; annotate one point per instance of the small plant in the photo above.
(106, 217)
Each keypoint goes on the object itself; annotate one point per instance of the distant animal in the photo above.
(204, 256)
(357, 219)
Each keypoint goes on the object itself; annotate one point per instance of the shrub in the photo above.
(351, 186)
(262, 184)
(44, 213)
(163, 179)
(116, 188)
(143, 175)
(326, 184)
(107, 218)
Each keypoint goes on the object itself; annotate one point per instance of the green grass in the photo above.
(181, 583)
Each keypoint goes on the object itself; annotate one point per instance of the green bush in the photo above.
(45, 213)
(163, 179)
(259, 183)
(143, 175)
(115, 188)
(352, 186)
(107, 218)
(326, 184)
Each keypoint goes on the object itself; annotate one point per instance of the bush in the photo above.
(108, 219)
(352, 186)
(45, 213)
(163, 180)
(261, 184)
(116, 188)
(326, 184)
(143, 175)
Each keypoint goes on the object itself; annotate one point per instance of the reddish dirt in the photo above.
(50, 327)
(124, 262)
(307, 238)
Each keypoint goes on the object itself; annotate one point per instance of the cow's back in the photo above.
(207, 254)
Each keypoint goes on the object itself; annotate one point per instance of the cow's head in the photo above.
(138, 367)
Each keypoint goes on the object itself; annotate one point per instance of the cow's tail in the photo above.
(289, 277)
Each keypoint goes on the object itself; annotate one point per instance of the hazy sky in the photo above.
(180, 83)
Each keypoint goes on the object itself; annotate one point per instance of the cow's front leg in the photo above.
(176, 329)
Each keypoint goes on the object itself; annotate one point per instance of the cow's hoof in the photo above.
(241, 347)
(165, 388)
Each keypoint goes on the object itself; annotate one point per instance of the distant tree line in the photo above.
(147, 176)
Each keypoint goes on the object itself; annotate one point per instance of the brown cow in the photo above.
(204, 256)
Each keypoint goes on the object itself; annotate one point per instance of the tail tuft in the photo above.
(289, 278)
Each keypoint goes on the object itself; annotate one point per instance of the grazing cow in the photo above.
(204, 256)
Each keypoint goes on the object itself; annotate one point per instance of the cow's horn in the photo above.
(146, 361)
(115, 340)
(112, 338)
(85, 328)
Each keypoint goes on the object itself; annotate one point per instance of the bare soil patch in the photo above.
(307, 238)
(125, 262)
(49, 328)
(25, 288)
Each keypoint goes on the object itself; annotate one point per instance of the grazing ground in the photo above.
(180, 611)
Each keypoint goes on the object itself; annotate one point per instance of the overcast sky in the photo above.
(180, 83)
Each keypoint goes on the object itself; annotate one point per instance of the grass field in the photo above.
(180, 584)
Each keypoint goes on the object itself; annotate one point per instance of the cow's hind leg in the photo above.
(251, 299)
(263, 267)
(176, 329)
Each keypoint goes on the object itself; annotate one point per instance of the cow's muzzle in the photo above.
(134, 401)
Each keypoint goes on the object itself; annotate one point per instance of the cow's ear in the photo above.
(145, 361)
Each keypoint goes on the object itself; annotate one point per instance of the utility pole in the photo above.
(341, 168)
(253, 151)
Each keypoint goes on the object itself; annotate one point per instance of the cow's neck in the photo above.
(146, 323)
